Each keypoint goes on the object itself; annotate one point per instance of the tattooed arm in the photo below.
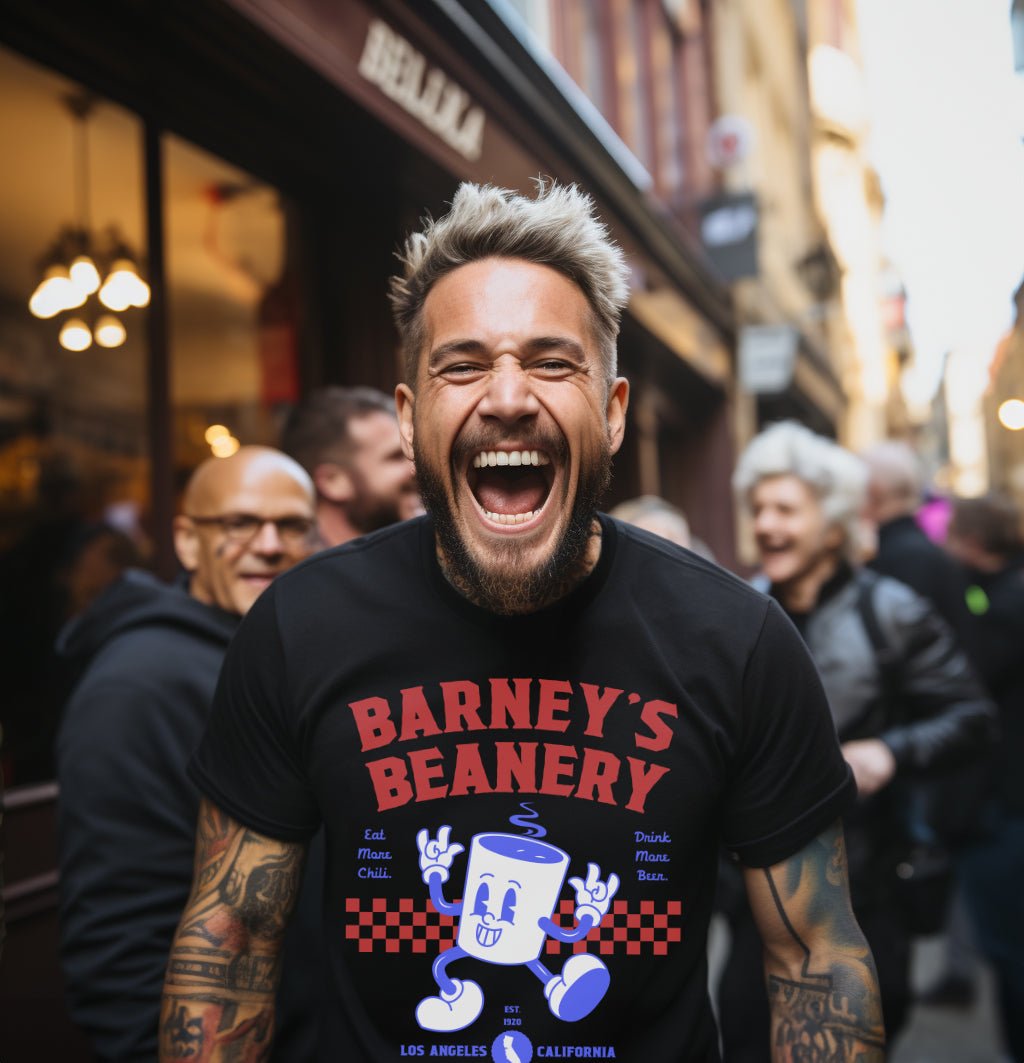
(223, 967)
(822, 986)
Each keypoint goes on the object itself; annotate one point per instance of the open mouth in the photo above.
(511, 487)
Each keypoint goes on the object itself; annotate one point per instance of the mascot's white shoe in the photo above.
(450, 1012)
(579, 989)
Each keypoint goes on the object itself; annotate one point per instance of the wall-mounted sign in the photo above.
(767, 356)
(728, 229)
(391, 63)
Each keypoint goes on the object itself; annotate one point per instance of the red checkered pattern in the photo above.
(647, 927)
(404, 924)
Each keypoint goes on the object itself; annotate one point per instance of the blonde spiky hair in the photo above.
(556, 228)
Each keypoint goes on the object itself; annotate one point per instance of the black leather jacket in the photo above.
(919, 696)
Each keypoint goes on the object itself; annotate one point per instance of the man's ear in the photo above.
(186, 543)
(618, 401)
(405, 402)
(333, 482)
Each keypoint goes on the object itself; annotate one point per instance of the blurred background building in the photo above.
(200, 205)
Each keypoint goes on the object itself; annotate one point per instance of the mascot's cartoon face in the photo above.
(512, 882)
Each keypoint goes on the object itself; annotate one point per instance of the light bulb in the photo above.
(110, 332)
(1011, 415)
(141, 296)
(75, 335)
(124, 287)
(113, 295)
(84, 275)
(55, 293)
(224, 446)
(215, 431)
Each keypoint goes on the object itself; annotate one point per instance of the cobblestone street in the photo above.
(949, 1035)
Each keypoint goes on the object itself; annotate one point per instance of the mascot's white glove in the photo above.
(437, 854)
(594, 897)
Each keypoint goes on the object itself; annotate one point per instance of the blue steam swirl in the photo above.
(532, 830)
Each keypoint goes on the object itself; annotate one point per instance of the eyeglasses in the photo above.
(242, 527)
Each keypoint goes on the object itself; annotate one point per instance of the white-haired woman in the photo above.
(902, 695)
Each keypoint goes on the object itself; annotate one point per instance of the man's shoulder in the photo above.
(380, 550)
(681, 568)
(156, 657)
(688, 593)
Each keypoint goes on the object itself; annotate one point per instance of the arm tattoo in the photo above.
(825, 1007)
(223, 966)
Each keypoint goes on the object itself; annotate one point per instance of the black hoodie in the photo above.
(149, 656)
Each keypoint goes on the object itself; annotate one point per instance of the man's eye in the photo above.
(461, 369)
(294, 526)
(554, 365)
(240, 524)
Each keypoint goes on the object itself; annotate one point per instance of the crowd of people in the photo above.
(410, 634)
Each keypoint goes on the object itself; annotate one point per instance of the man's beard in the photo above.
(368, 512)
(504, 586)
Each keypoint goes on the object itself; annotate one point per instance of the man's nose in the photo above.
(509, 396)
(267, 540)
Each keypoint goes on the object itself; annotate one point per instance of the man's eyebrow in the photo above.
(557, 343)
(438, 354)
(538, 345)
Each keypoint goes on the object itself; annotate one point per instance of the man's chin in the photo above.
(512, 574)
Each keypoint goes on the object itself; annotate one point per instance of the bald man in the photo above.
(127, 813)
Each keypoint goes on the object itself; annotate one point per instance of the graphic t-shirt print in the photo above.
(582, 770)
(511, 887)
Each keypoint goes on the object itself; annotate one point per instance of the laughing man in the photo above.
(526, 727)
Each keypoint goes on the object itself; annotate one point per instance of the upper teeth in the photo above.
(489, 458)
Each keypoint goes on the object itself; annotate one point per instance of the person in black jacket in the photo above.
(900, 710)
(945, 806)
(986, 535)
(150, 655)
(895, 492)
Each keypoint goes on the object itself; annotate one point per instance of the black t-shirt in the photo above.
(662, 708)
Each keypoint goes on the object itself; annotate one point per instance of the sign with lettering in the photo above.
(767, 357)
(391, 63)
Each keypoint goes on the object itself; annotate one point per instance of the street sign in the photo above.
(728, 229)
(767, 357)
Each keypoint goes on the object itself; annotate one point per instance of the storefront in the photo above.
(258, 162)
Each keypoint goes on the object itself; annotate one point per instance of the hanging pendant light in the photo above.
(110, 332)
(75, 335)
(55, 293)
(75, 267)
(84, 274)
(124, 287)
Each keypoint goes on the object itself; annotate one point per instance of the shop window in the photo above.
(74, 473)
(233, 306)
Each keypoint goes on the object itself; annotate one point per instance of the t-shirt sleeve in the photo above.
(249, 762)
(791, 780)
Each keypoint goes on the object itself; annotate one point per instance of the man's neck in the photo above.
(333, 524)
